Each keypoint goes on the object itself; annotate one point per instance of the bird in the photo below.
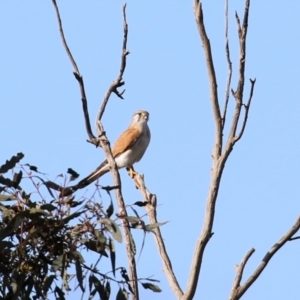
(128, 149)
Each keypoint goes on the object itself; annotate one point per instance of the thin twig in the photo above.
(240, 269)
(62, 35)
(212, 77)
(247, 108)
(238, 94)
(152, 215)
(78, 77)
(227, 51)
(119, 80)
(238, 291)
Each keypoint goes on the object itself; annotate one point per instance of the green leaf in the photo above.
(90, 283)
(7, 197)
(99, 287)
(37, 211)
(132, 219)
(46, 183)
(112, 252)
(5, 244)
(151, 286)
(122, 295)
(6, 181)
(48, 207)
(110, 209)
(79, 274)
(72, 216)
(150, 227)
(77, 256)
(47, 283)
(9, 164)
(132, 243)
(140, 203)
(95, 246)
(107, 289)
(74, 174)
(135, 212)
(12, 226)
(113, 228)
(17, 178)
(61, 294)
(32, 168)
(58, 262)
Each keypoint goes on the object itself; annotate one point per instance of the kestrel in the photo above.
(128, 149)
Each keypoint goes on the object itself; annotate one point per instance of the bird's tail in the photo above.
(101, 170)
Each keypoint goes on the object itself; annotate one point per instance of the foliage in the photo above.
(42, 242)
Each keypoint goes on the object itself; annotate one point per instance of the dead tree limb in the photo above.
(238, 290)
(151, 204)
(104, 142)
(220, 155)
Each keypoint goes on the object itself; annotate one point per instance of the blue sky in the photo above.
(166, 74)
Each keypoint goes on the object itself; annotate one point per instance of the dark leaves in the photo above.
(113, 228)
(79, 274)
(9, 164)
(110, 209)
(151, 286)
(17, 179)
(111, 247)
(74, 174)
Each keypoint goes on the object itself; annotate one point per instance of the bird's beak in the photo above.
(145, 116)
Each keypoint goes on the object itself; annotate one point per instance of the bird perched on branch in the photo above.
(127, 150)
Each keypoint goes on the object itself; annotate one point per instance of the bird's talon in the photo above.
(131, 172)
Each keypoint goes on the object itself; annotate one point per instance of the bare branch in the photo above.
(219, 159)
(227, 51)
(238, 291)
(62, 35)
(247, 107)
(77, 76)
(104, 143)
(212, 77)
(240, 270)
(152, 215)
(238, 94)
(119, 80)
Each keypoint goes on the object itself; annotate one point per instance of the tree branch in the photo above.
(212, 77)
(240, 269)
(150, 207)
(104, 143)
(227, 51)
(78, 77)
(237, 290)
(119, 80)
(247, 107)
(238, 94)
(219, 158)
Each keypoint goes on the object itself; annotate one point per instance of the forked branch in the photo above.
(237, 289)
(219, 157)
(118, 82)
(103, 141)
(238, 94)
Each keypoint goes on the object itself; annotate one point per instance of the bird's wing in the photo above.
(125, 141)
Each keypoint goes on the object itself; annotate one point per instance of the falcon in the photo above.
(128, 149)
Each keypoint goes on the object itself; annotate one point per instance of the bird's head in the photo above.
(140, 116)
